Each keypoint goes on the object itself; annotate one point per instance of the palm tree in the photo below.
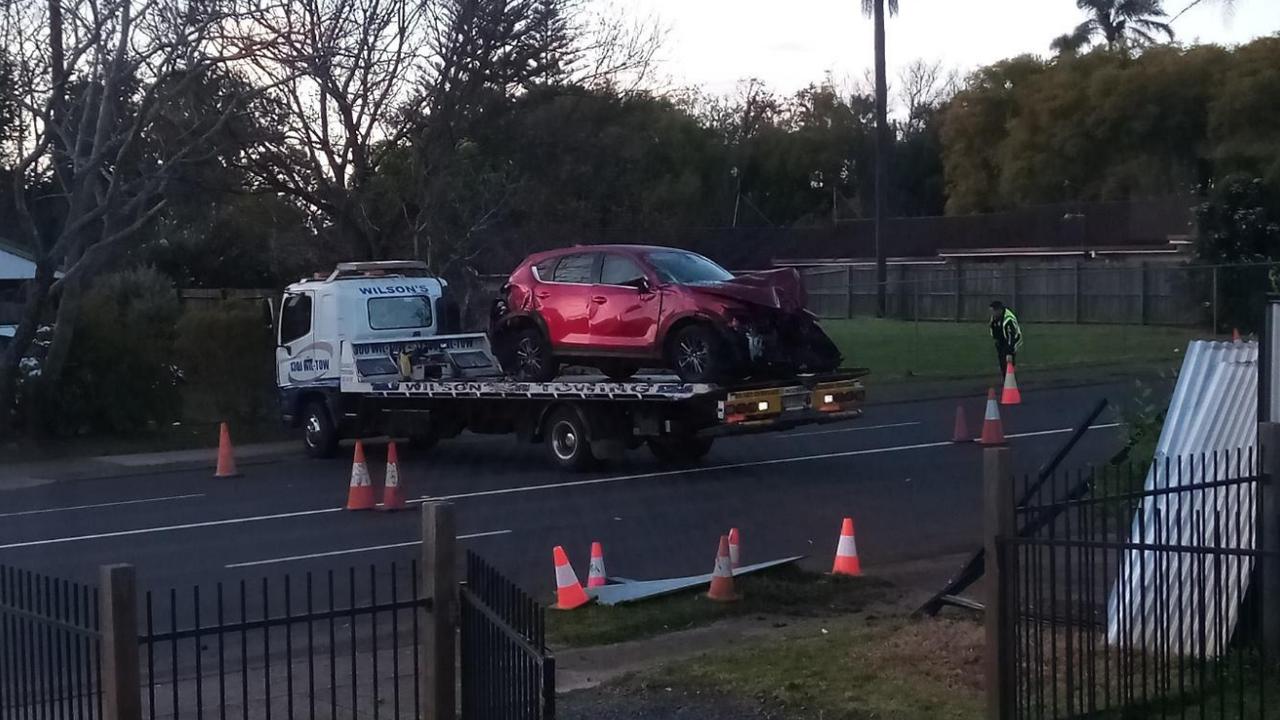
(1121, 23)
(1227, 7)
(876, 9)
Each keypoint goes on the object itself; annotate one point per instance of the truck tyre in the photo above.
(698, 355)
(526, 355)
(567, 443)
(318, 433)
(680, 450)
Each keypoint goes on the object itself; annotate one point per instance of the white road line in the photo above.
(352, 551)
(524, 489)
(101, 505)
(784, 436)
(168, 528)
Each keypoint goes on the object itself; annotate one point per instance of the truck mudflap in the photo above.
(774, 408)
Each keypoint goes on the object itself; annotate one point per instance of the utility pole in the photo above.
(882, 159)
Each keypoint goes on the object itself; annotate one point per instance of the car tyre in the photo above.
(567, 441)
(526, 355)
(680, 450)
(698, 355)
(318, 432)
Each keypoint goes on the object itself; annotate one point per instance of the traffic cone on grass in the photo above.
(226, 455)
(596, 576)
(847, 562)
(569, 592)
(360, 494)
(722, 576)
(734, 548)
(961, 434)
(392, 495)
(1011, 394)
(992, 429)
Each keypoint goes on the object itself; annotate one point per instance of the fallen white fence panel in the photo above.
(633, 590)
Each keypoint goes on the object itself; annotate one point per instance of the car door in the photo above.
(563, 301)
(295, 361)
(624, 306)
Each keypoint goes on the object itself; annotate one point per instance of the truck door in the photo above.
(297, 357)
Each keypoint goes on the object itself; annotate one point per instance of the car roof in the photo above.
(557, 252)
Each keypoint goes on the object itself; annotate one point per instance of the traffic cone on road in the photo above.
(569, 592)
(722, 576)
(1011, 395)
(847, 562)
(992, 429)
(596, 576)
(961, 434)
(226, 455)
(392, 494)
(734, 548)
(360, 494)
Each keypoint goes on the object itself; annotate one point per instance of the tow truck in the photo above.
(372, 349)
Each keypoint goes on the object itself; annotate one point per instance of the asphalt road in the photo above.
(912, 493)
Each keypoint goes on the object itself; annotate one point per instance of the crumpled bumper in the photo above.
(784, 343)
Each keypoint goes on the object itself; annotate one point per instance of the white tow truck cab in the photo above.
(373, 348)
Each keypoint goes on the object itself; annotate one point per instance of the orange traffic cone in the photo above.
(992, 429)
(596, 576)
(847, 562)
(1235, 334)
(360, 496)
(226, 455)
(1011, 394)
(569, 593)
(734, 548)
(392, 495)
(722, 576)
(961, 434)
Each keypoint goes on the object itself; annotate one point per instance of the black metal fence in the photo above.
(1138, 595)
(507, 671)
(318, 645)
(49, 648)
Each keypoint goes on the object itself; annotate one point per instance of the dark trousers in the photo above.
(1003, 357)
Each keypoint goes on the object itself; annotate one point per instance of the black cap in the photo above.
(995, 304)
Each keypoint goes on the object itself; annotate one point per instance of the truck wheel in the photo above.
(526, 355)
(697, 355)
(318, 432)
(566, 438)
(680, 450)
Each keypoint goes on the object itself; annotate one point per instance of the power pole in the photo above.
(881, 154)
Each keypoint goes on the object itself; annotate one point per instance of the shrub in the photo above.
(225, 352)
(119, 376)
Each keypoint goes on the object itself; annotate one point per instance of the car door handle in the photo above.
(599, 299)
(542, 294)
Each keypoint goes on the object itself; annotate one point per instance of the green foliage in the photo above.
(119, 377)
(1240, 223)
(225, 352)
(1122, 24)
(1107, 126)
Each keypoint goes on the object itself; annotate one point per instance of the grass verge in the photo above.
(857, 667)
(782, 591)
(185, 436)
(895, 349)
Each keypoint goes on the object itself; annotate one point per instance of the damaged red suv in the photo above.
(623, 307)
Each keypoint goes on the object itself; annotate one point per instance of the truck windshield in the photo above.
(685, 268)
(394, 313)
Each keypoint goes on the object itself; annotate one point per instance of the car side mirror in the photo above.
(641, 285)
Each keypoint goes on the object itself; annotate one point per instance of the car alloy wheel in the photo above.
(693, 355)
(529, 356)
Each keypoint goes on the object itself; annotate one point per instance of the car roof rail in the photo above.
(379, 268)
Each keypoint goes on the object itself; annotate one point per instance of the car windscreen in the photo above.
(394, 313)
(684, 268)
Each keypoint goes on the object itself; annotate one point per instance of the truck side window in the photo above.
(295, 317)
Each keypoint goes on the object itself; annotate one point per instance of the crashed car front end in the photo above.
(768, 341)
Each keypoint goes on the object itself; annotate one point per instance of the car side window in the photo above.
(620, 270)
(295, 317)
(575, 268)
(544, 268)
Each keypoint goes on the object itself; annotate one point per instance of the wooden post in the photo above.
(438, 626)
(959, 291)
(1142, 293)
(848, 291)
(1213, 301)
(1013, 292)
(118, 607)
(998, 522)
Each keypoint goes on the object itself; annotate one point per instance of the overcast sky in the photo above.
(791, 43)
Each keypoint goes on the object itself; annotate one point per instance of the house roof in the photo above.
(16, 263)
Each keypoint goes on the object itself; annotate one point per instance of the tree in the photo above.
(91, 88)
(877, 8)
(1122, 24)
